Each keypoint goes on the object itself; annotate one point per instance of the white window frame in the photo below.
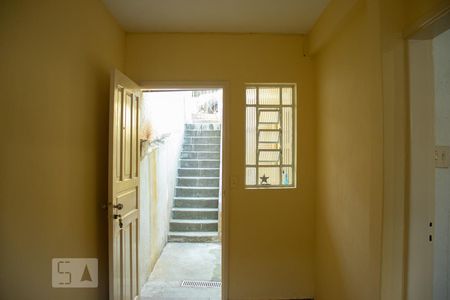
(278, 107)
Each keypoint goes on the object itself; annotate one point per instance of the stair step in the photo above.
(201, 147)
(211, 133)
(195, 213)
(201, 140)
(193, 225)
(193, 237)
(195, 163)
(193, 191)
(200, 155)
(194, 202)
(198, 181)
(202, 126)
(196, 172)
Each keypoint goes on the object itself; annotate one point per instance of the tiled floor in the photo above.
(184, 261)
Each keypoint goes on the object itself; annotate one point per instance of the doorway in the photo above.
(181, 193)
(428, 275)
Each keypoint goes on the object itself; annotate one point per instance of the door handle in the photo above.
(118, 206)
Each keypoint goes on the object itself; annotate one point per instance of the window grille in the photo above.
(270, 136)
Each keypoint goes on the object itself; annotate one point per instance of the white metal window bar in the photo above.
(270, 135)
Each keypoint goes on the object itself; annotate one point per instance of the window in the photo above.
(270, 136)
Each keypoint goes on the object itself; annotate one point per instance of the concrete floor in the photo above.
(184, 261)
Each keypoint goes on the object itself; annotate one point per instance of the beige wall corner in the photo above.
(329, 23)
(350, 148)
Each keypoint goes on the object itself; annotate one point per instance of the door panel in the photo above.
(128, 199)
(123, 201)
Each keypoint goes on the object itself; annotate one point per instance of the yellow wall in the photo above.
(395, 124)
(361, 79)
(271, 232)
(330, 21)
(350, 148)
(55, 58)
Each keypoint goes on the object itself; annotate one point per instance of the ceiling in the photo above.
(242, 16)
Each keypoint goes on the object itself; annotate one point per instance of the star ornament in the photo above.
(264, 179)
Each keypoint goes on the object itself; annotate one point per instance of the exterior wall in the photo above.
(271, 232)
(158, 179)
(56, 58)
(147, 184)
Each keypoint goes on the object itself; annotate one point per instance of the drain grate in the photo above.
(201, 284)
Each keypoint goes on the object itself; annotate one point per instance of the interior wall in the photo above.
(55, 58)
(271, 232)
(388, 21)
(441, 68)
(350, 148)
(397, 19)
(395, 149)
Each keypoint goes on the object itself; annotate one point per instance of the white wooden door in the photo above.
(123, 211)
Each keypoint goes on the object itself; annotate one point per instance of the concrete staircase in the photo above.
(196, 203)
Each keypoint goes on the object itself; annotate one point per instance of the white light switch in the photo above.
(442, 156)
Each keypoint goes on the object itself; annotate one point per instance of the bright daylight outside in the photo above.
(180, 230)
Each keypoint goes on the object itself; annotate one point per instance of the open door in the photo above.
(123, 202)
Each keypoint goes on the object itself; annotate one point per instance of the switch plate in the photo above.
(442, 156)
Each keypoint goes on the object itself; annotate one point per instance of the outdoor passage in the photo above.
(181, 167)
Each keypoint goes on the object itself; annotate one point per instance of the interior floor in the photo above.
(185, 261)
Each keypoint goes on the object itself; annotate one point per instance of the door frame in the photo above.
(422, 32)
(225, 176)
(421, 204)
